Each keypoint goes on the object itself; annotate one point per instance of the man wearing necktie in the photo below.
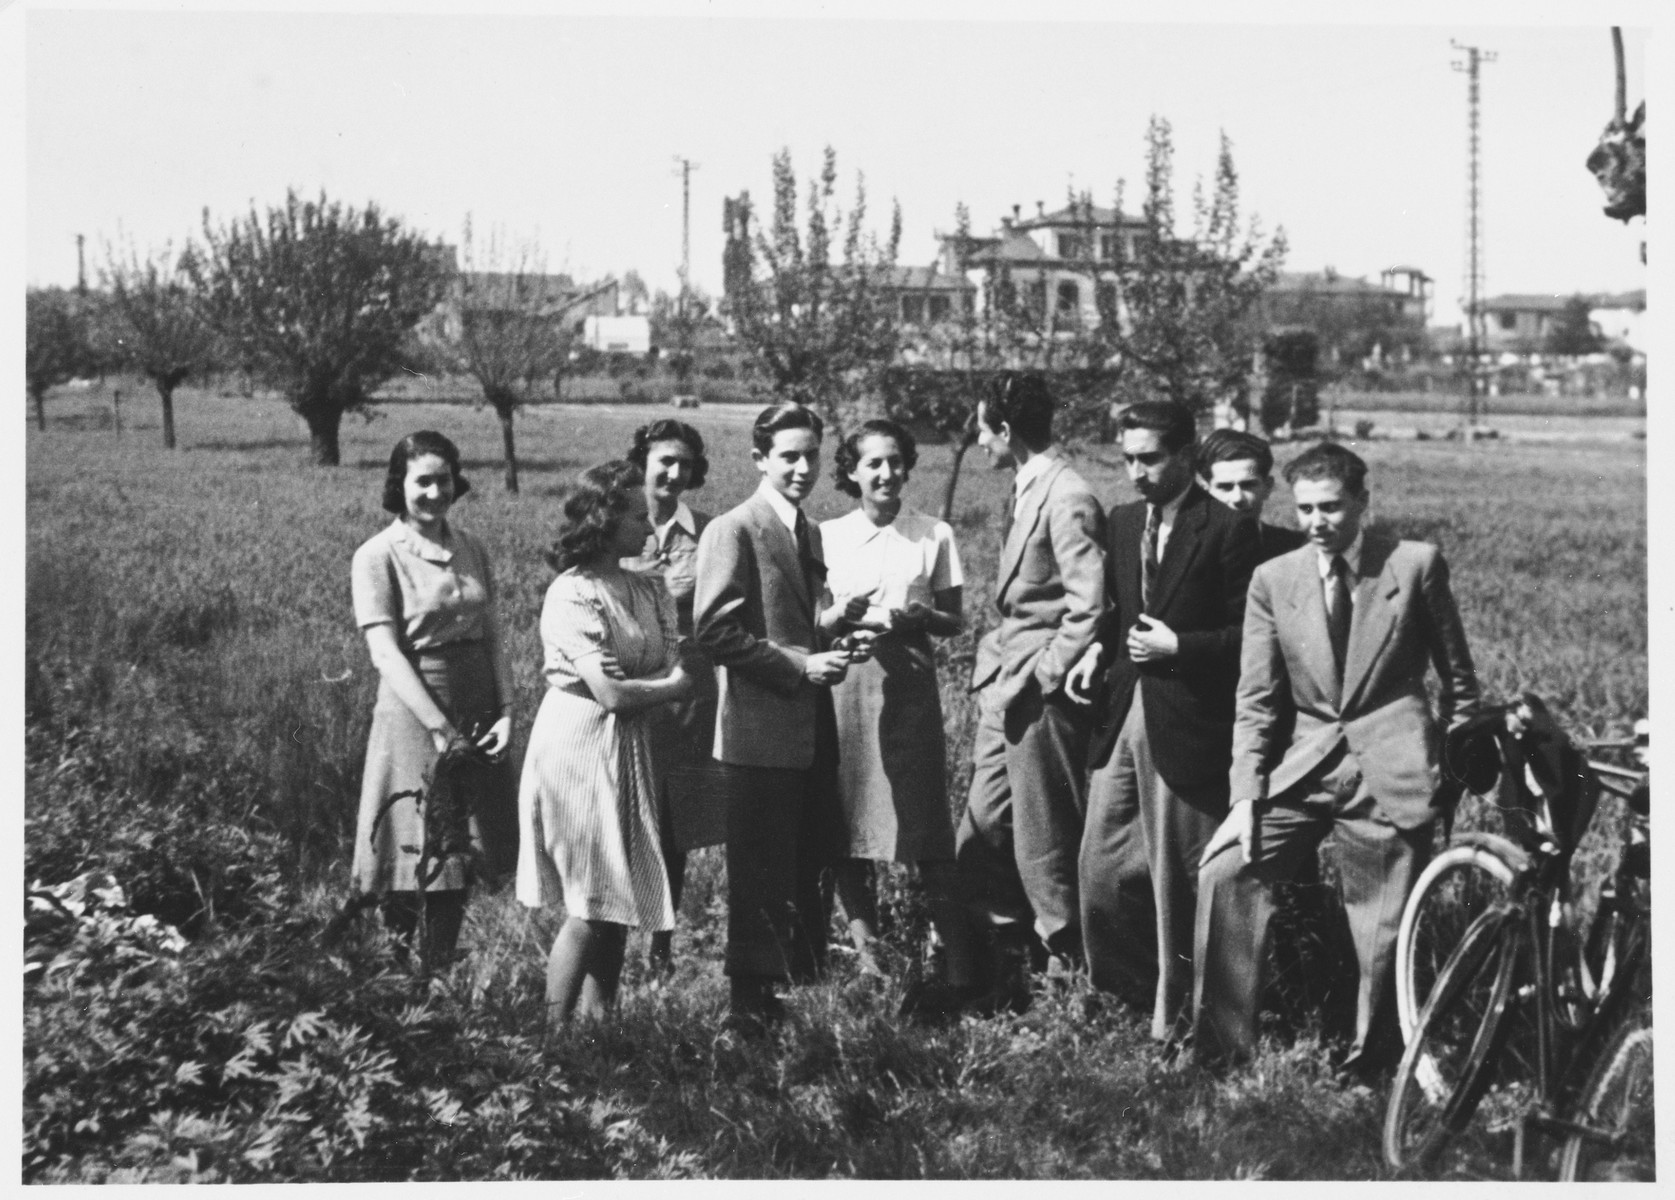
(1334, 735)
(1163, 669)
(1016, 848)
(760, 575)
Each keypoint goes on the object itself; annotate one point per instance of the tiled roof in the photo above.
(923, 279)
(1307, 281)
(1534, 302)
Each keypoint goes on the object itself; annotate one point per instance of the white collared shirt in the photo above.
(1030, 472)
(911, 558)
(783, 508)
(683, 517)
(1351, 555)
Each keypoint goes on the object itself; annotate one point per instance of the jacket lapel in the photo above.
(1184, 540)
(1023, 527)
(1309, 602)
(781, 545)
(1375, 615)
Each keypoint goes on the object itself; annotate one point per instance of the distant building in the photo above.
(1353, 317)
(1519, 324)
(557, 298)
(1622, 318)
(617, 335)
(928, 296)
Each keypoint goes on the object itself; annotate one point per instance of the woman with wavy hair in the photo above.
(588, 802)
(671, 455)
(436, 792)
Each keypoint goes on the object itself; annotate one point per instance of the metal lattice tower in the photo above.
(1474, 281)
(686, 168)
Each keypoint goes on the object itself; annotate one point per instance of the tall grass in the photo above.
(197, 702)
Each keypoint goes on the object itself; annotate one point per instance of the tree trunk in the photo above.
(322, 435)
(167, 392)
(511, 451)
(40, 396)
(947, 513)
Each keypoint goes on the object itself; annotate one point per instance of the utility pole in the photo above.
(81, 267)
(1474, 223)
(686, 167)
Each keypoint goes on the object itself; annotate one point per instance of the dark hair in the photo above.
(849, 452)
(1232, 445)
(667, 429)
(592, 508)
(789, 415)
(1328, 460)
(417, 445)
(1023, 401)
(1173, 423)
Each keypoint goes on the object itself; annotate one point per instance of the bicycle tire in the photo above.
(1449, 1060)
(1618, 1099)
(1456, 888)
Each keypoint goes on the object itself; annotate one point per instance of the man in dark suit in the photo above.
(1334, 735)
(1167, 658)
(1017, 843)
(760, 573)
(1237, 468)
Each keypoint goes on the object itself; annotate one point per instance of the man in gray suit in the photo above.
(1333, 735)
(1017, 843)
(760, 574)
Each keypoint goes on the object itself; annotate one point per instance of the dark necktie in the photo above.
(805, 549)
(1337, 621)
(1148, 555)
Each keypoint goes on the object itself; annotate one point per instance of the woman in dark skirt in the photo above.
(671, 455)
(438, 799)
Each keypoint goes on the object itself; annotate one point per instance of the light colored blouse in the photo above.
(433, 596)
(671, 553)
(911, 558)
(630, 615)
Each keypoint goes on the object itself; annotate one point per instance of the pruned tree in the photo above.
(319, 298)
(154, 323)
(56, 346)
(814, 309)
(1574, 333)
(506, 329)
(1185, 297)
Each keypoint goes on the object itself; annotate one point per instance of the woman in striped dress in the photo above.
(588, 802)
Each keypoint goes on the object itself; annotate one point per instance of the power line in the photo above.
(1475, 275)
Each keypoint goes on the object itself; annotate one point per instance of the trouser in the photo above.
(1139, 876)
(1017, 843)
(1377, 864)
(781, 831)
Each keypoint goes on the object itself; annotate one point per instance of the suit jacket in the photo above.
(754, 615)
(1200, 594)
(1276, 540)
(1050, 590)
(1290, 713)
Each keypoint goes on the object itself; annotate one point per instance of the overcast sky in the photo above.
(564, 128)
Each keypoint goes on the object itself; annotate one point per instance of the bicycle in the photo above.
(1522, 1002)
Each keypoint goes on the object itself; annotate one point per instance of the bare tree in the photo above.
(820, 326)
(319, 299)
(155, 325)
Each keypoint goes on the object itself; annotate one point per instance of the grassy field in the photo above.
(197, 700)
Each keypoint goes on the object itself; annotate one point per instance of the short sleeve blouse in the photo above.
(631, 616)
(911, 558)
(432, 596)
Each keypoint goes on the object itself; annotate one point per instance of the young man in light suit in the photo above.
(760, 574)
(1334, 735)
(1017, 843)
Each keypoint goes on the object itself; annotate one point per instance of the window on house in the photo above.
(1508, 320)
(1035, 298)
(937, 308)
(913, 309)
(1069, 299)
(1107, 246)
(1107, 301)
(1070, 245)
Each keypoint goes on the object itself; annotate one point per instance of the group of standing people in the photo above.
(1175, 706)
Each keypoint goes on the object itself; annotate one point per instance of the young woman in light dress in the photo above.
(588, 802)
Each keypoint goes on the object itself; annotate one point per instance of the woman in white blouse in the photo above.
(437, 798)
(894, 576)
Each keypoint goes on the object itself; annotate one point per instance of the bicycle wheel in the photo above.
(1617, 1101)
(1458, 886)
(1449, 1060)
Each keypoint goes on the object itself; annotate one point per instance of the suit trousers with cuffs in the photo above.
(1139, 876)
(1017, 843)
(1377, 864)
